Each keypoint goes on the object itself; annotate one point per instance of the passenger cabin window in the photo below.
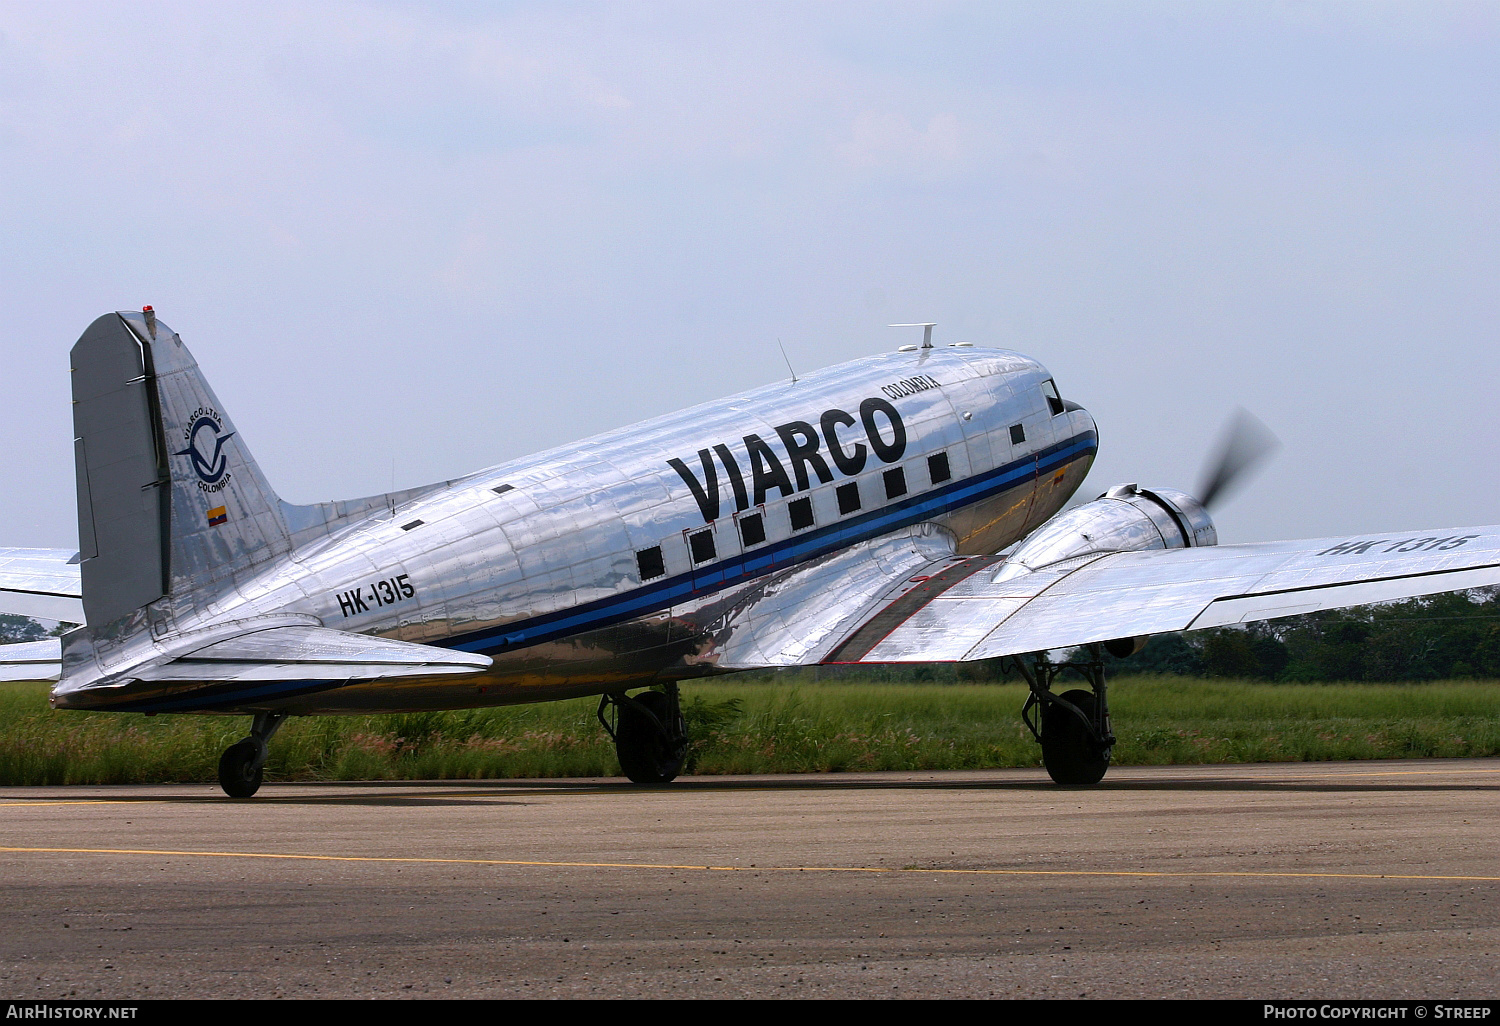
(895, 483)
(502, 489)
(937, 468)
(848, 496)
(1017, 434)
(752, 529)
(702, 546)
(649, 563)
(1049, 389)
(802, 514)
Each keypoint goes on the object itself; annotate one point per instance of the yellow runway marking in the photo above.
(1404, 773)
(80, 801)
(737, 869)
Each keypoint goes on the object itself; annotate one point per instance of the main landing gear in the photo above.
(243, 764)
(1074, 731)
(649, 733)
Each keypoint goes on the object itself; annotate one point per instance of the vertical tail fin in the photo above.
(170, 501)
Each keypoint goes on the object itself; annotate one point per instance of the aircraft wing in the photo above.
(41, 582)
(960, 609)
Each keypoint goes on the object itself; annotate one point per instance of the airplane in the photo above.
(902, 507)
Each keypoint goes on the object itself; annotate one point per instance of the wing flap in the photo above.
(1244, 609)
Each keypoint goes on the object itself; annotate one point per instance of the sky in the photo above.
(406, 241)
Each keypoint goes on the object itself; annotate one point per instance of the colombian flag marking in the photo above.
(217, 516)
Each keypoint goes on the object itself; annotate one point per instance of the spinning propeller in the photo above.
(1244, 443)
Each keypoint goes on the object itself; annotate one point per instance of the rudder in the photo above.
(119, 460)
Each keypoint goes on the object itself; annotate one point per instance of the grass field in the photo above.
(793, 724)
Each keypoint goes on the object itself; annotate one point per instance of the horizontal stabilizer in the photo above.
(31, 660)
(316, 653)
(41, 582)
(254, 652)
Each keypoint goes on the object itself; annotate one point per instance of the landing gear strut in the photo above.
(243, 764)
(649, 732)
(1074, 731)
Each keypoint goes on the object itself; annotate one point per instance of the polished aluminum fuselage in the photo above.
(545, 563)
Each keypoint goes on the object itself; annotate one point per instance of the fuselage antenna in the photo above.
(926, 334)
(788, 359)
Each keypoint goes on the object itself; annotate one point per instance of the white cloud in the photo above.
(890, 140)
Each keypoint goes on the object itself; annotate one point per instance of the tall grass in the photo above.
(791, 724)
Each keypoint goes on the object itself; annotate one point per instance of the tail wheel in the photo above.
(647, 754)
(239, 775)
(1069, 750)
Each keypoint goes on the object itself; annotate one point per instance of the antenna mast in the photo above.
(926, 334)
(787, 359)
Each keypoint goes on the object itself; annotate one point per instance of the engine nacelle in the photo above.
(1126, 518)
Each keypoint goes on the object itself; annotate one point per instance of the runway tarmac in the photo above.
(1328, 880)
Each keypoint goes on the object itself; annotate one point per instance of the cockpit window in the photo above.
(1049, 389)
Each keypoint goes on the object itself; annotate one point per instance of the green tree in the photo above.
(20, 628)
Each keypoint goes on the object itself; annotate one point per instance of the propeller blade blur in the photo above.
(1244, 443)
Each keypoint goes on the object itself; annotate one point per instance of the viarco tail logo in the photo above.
(804, 454)
(205, 440)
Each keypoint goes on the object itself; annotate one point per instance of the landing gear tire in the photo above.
(242, 767)
(647, 754)
(239, 773)
(1070, 753)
